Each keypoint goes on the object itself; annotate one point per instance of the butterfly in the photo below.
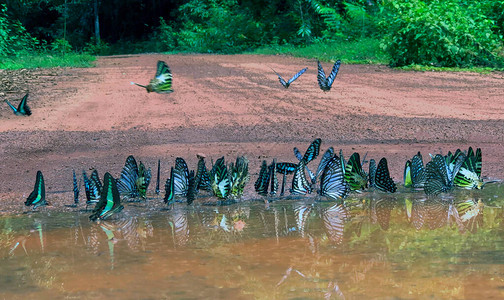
(37, 196)
(332, 182)
(157, 178)
(162, 82)
(326, 83)
(202, 175)
(469, 174)
(219, 180)
(180, 177)
(22, 109)
(440, 174)
(262, 183)
(311, 153)
(143, 180)
(414, 172)
(286, 84)
(372, 172)
(110, 201)
(272, 169)
(76, 188)
(328, 155)
(382, 178)
(191, 188)
(239, 175)
(285, 168)
(92, 189)
(354, 175)
(169, 197)
(134, 180)
(299, 183)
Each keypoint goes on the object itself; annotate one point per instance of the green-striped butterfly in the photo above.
(37, 196)
(110, 201)
(162, 82)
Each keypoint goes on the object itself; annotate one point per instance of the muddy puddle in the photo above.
(374, 245)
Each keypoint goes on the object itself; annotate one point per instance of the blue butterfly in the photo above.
(22, 109)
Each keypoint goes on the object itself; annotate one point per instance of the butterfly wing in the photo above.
(299, 183)
(418, 175)
(169, 189)
(180, 177)
(202, 176)
(313, 151)
(354, 175)
(239, 176)
(162, 83)
(110, 201)
(333, 74)
(332, 182)
(219, 179)
(437, 180)
(273, 178)
(37, 196)
(129, 175)
(328, 155)
(23, 108)
(262, 183)
(282, 81)
(372, 173)
(157, 177)
(383, 181)
(191, 188)
(296, 76)
(76, 188)
(321, 78)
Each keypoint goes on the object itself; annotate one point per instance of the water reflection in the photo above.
(331, 250)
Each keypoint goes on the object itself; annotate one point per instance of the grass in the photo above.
(47, 60)
(481, 70)
(364, 51)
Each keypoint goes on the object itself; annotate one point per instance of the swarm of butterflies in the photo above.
(336, 177)
(162, 84)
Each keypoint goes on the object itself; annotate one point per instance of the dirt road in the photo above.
(234, 105)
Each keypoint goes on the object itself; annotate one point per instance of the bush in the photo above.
(61, 46)
(441, 33)
(101, 48)
(13, 36)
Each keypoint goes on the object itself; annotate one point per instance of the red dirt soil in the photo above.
(234, 105)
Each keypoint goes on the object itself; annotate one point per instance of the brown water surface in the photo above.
(375, 245)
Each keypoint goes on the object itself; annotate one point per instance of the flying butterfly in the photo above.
(287, 83)
(332, 182)
(110, 201)
(354, 175)
(382, 180)
(37, 196)
(162, 82)
(22, 109)
(325, 83)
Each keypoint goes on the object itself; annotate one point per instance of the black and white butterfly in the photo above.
(299, 183)
(76, 188)
(325, 83)
(311, 153)
(285, 168)
(202, 175)
(332, 183)
(22, 109)
(287, 83)
(92, 187)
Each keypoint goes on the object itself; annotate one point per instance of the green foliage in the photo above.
(366, 50)
(166, 36)
(101, 48)
(444, 33)
(61, 46)
(216, 26)
(33, 60)
(13, 36)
